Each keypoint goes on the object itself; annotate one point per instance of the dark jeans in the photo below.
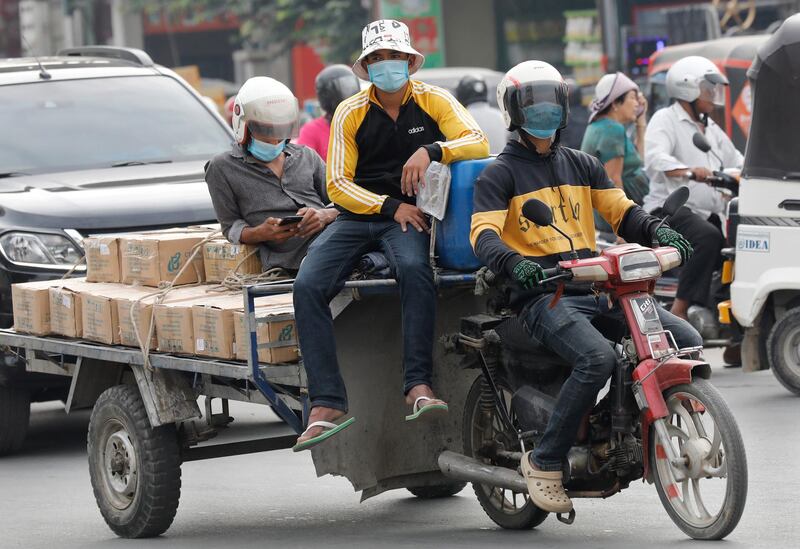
(694, 282)
(566, 330)
(330, 260)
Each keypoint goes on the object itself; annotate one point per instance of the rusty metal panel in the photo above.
(382, 451)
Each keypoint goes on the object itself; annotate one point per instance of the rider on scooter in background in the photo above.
(334, 84)
(672, 160)
(534, 99)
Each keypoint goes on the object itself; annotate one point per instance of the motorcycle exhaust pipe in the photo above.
(460, 467)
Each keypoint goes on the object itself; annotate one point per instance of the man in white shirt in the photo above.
(671, 161)
(472, 92)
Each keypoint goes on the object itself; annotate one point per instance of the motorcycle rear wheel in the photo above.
(703, 431)
(508, 509)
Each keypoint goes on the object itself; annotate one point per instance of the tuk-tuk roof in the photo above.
(733, 51)
(773, 151)
(780, 50)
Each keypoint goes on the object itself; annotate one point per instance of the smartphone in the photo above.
(290, 219)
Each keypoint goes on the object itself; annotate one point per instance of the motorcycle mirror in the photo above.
(538, 212)
(541, 214)
(700, 141)
(675, 201)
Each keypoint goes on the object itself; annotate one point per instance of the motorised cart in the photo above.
(145, 412)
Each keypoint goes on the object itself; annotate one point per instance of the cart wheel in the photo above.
(438, 491)
(15, 411)
(783, 347)
(135, 469)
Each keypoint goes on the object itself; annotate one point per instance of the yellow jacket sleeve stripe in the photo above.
(342, 159)
(464, 138)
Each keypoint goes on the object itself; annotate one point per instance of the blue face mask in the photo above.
(542, 120)
(266, 152)
(389, 76)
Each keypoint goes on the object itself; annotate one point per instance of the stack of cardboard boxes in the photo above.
(117, 300)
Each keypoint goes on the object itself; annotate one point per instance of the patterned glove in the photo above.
(669, 237)
(528, 274)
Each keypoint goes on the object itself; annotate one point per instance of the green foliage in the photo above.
(331, 26)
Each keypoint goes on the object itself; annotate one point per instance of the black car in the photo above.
(94, 140)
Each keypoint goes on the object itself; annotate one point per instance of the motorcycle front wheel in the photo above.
(708, 503)
(484, 429)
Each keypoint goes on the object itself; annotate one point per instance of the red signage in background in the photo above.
(425, 35)
(424, 20)
(162, 23)
(306, 64)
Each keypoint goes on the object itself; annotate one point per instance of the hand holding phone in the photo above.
(290, 220)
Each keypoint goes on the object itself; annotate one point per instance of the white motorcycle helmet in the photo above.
(694, 76)
(534, 97)
(267, 108)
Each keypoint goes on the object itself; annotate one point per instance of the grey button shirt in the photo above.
(245, 193)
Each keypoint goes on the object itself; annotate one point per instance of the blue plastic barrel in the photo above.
(453, 248)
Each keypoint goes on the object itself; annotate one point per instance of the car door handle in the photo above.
(790, 204)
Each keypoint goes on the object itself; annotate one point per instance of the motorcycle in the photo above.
(661, 419)
(717, 327)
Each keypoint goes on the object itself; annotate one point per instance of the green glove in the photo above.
(669, 237)
(528, 274)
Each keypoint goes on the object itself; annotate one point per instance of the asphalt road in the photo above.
(275, 500)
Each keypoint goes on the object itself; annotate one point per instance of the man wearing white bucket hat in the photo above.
(382, 141)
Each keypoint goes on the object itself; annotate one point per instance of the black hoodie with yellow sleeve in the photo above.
(572, 183)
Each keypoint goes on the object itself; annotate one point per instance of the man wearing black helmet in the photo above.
(534, 100)
(472, 92)
(334, 84)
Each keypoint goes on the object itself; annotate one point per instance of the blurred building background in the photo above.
(224, 46)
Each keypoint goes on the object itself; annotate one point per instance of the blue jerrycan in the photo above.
(453, 248)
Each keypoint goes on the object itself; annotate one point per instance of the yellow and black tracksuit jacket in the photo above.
(572, 183)
(367, 149)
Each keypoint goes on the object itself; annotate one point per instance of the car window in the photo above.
(94, 123)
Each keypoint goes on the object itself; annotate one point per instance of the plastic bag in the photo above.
(432, 197)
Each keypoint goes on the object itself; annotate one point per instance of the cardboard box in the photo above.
(275, 327)
(106, 313)
(65, 307)
(214, 327)
(99, 318)
(31, 306)
(220, 257)
(151, 259)
(102, 259)
(173, 318)
(212, 322)
(142, 302)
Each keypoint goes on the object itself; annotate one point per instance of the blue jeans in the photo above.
(567, 331)
(330, 260)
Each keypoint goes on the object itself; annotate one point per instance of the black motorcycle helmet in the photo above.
(471, 89)
(335, 84)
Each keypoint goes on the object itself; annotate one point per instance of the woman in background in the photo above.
(617, 104)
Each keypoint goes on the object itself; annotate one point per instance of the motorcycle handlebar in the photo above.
(556, 274)
(719, 179)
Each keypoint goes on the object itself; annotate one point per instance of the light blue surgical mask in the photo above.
(266, 152)
(542, 119)
(389, 76)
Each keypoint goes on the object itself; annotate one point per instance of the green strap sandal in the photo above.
(432, 410)
(330, 429)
